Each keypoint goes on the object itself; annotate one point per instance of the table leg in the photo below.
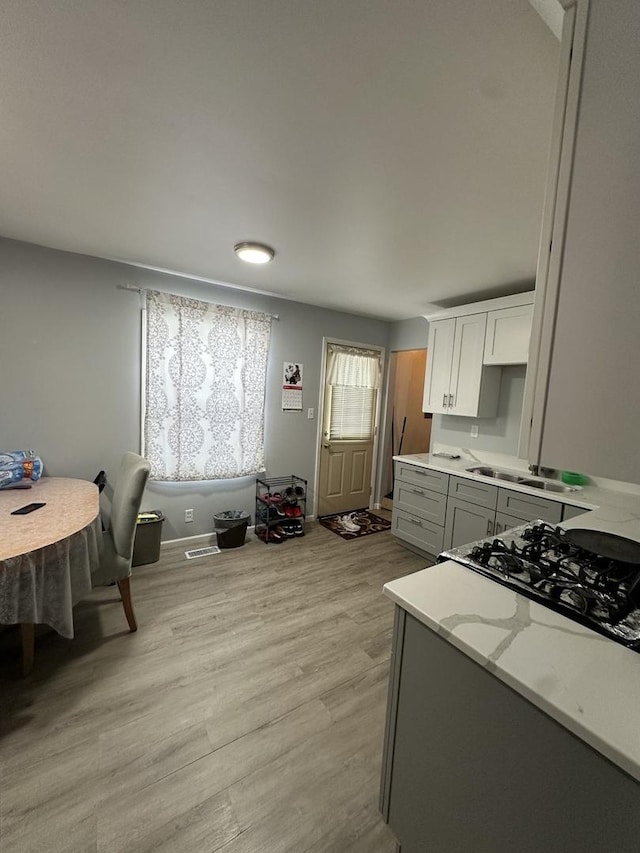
(27, 630)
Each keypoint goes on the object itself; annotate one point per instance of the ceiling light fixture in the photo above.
(254, 253)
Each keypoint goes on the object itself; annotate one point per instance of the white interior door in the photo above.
(349, 429)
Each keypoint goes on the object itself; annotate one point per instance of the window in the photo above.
(205, 383)
(353, 377)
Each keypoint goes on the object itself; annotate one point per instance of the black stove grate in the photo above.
(540, 562)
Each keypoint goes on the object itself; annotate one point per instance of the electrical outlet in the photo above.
(310, 414)
(474, 430)
(188, 515)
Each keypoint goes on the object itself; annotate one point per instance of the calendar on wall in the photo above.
(291, 387)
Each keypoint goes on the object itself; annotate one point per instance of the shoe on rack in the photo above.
(298, 529)
(285, 532)
(348, 523)
(299, 491)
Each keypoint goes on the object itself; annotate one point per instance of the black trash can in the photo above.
(231, 527)
(146, 546)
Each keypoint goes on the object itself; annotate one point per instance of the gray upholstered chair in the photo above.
(118, 538)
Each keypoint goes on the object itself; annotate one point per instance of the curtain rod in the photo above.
(133, 289)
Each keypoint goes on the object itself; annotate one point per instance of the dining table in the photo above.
(48, 556)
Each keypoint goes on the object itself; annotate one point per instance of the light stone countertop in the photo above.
(609, 506)
(587, 683)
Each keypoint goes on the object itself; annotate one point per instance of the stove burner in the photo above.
(540, 561)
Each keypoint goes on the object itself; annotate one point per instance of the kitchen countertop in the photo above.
(613, 508)
(586, 682)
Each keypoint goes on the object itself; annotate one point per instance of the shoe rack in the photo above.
(280, 508)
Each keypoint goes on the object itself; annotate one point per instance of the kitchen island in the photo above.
(509, 727)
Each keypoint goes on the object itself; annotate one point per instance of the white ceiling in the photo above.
(393, 153)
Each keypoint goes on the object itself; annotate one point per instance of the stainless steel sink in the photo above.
(543, 485)
(485, 471)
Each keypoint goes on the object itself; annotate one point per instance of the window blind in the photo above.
(352, 411)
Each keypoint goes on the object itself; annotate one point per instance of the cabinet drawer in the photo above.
(529, 507)
(476, 493)
(417, 532)
(425, 477)
(424, 503)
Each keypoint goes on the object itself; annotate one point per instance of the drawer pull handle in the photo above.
(415, 521)
(418, 492)
(489, 527)
(444, 401)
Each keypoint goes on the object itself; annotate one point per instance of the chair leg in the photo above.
(28, 631)
(124, 586)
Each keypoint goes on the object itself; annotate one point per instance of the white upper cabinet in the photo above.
(507, 337)
(439, 363)
(458, 380)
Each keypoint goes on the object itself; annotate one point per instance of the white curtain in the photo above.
(354, 377)
(206, 370)
(353, 368)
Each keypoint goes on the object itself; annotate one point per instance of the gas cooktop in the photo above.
(546, 564)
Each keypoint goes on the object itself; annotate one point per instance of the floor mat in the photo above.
(351, 525)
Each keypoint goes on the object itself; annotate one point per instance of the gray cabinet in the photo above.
(528, 507)
(434, 511)
(507, 522)
(467, 522)
(419, 507)
(465, 756)
(471, 511)
(572, 511)
(481, 494)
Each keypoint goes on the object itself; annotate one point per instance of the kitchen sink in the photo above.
(484, 471)
(543, 485)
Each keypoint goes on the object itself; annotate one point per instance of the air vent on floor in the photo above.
(201, 552)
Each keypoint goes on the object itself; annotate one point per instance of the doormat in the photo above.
(351, 525)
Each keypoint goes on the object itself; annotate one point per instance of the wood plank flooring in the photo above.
(245, 716)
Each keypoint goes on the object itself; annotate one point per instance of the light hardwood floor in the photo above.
(245, 716)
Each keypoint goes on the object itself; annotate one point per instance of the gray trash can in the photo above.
(231, 527)
(146, 546)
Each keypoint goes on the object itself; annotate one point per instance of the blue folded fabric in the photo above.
(18, 465)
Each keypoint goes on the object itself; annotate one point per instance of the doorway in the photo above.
(408, 428)
(350, 413)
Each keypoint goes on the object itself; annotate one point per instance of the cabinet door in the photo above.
(571, 511)
(506, 339)
(439, 359)
(466, 371)
(507, 522)
(466, 523)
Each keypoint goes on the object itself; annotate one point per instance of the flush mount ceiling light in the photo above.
(254, 253)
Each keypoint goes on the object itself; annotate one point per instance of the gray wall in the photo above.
(70, 373)
(409, 334)
(497, 435)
